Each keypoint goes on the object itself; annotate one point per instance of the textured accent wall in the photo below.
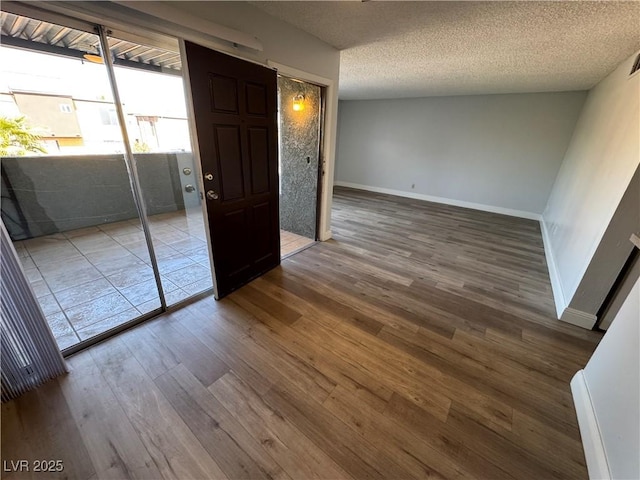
(299, 156)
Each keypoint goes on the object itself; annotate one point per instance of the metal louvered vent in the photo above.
(636, 65)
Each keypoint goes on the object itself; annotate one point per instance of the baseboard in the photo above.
(554, 275)
(443, 200)
(578, 318)
(326, 235)
(594, 451)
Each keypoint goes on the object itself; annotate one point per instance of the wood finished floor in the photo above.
(419, 343)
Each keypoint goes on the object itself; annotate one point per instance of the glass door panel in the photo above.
(150, 84)
(66, 194)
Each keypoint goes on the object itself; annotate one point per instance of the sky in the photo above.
(142, 92)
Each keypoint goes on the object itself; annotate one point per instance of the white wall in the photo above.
(493, 150)
(612, 253)
(282, 42)
(598, 166)
(612, 380)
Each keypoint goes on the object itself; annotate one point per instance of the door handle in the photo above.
(211, 195)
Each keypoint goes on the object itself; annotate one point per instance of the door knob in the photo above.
(211, 195)
(208, 176)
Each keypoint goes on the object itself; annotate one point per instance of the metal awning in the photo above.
(28, 33)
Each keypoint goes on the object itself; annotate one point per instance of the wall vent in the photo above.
(636, 65)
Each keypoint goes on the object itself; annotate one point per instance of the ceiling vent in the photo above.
(636, 65)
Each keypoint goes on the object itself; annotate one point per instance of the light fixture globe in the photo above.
(298, 102)
(93, 58)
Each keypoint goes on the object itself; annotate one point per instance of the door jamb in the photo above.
(320, 170)
(324, 231)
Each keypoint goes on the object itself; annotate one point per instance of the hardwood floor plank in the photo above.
(150, 352)
(364, 385)
(443, 438)
(200, 360)
(284, 313)
(565, 452)
(239, 455)
(531, 358)
(416, 456)
(355, 455)
(276, 283)
(570, 347)
(387, 273)
(15, 442)
(299, 456)
(42, 420)
(330, 301)
(175, 450)
(275, 363)
(500, 393)
(509, 366)
(403, 374)
(338, 289)
(411, 305)
(519, 462)
(114, 446)
(197, 322)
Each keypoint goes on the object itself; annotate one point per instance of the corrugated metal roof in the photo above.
(24, 32)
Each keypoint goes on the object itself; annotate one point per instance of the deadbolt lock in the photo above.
(211, 195)
(208, 176)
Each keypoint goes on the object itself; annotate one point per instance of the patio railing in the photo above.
(50, 194)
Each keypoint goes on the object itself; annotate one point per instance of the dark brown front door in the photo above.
(235, 109)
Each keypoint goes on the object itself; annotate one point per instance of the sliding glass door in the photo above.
(108, 232)
(157, 128)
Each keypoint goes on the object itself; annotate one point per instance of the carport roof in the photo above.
(28, 33)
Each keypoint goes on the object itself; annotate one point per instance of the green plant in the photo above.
(17, 138)
(141, 147)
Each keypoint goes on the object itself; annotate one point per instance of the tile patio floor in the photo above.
(93, 279)
(291, 243)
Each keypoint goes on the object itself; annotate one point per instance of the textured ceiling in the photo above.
(415, 49)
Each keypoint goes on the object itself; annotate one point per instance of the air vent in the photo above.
(636, 65)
